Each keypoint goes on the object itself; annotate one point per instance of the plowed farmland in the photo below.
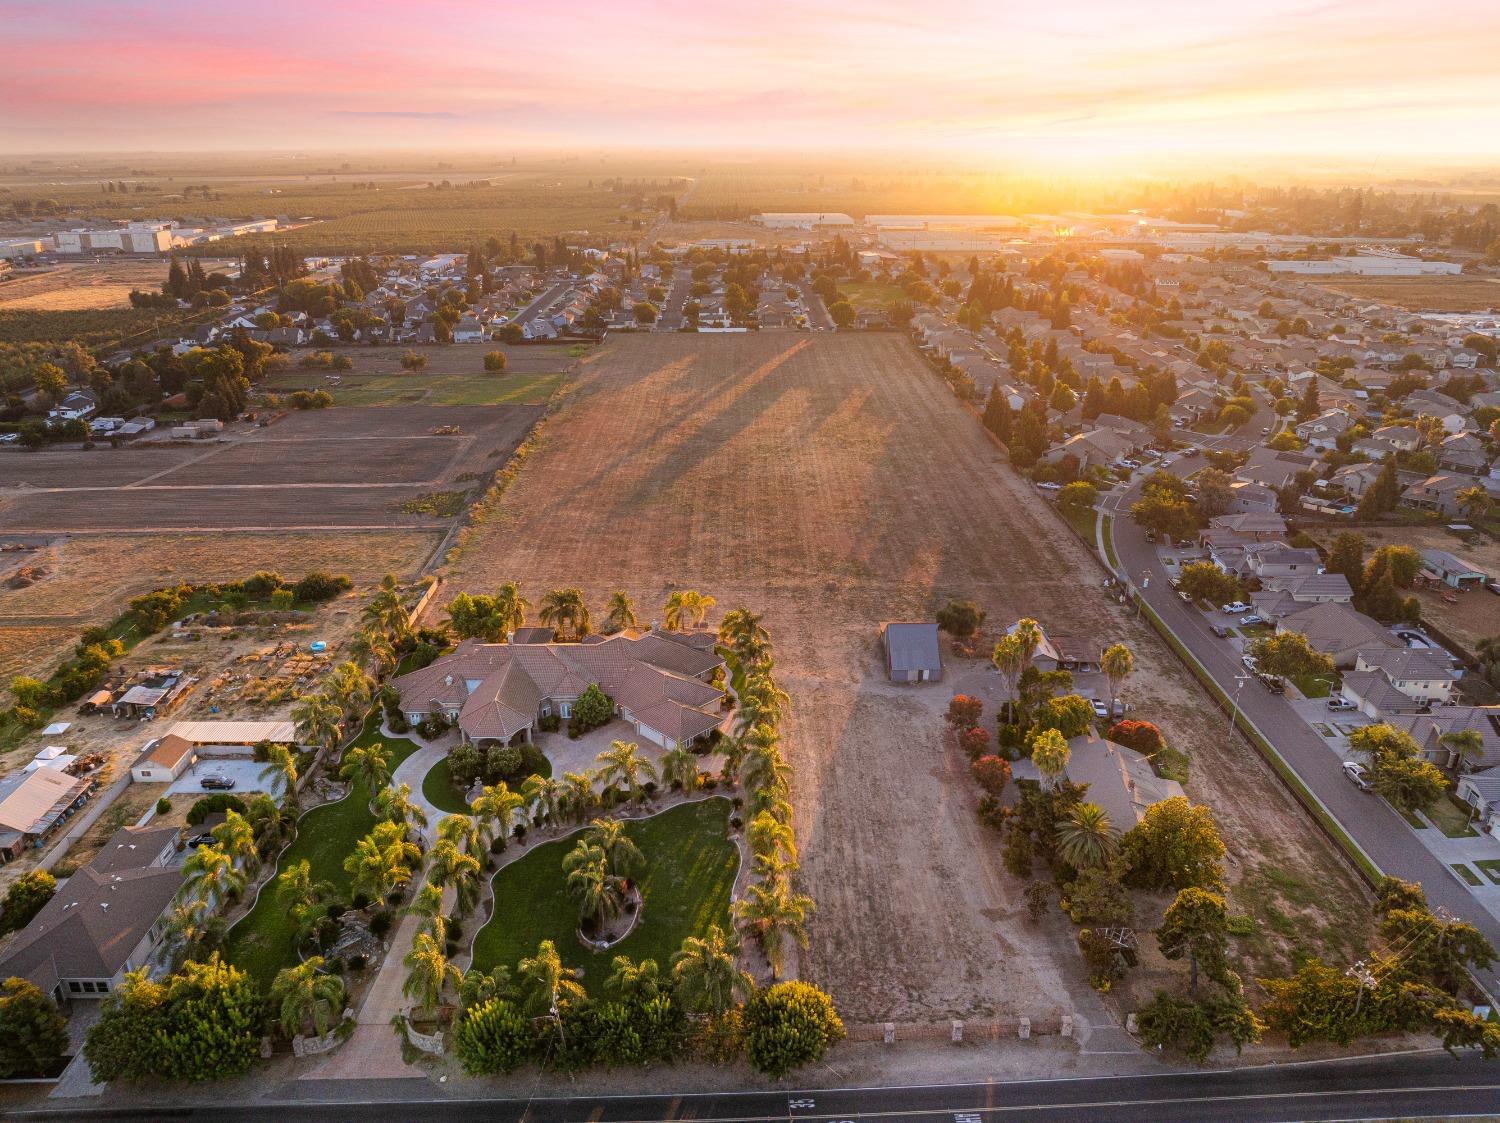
(833, 482)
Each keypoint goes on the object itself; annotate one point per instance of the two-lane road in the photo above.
(1381, 833)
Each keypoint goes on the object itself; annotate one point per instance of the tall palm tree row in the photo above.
(565, 610)
(686, 608)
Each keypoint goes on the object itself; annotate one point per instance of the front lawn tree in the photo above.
(1175, 845)
(1165, 516)
(1050, 753)
(789, 1025)
(33, 1032)
(1080, 495)
(1196, 926)
(1289, 655)
(25, 898)
(1204, 581)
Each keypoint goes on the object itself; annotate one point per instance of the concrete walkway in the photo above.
(411, 772)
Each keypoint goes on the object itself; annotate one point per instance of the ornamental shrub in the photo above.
(493, 1037)
(789, 1025)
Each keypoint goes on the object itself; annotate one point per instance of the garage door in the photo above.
(652, 735)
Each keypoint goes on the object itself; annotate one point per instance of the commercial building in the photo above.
(802, 220)
(137, 237)
(1374, 264)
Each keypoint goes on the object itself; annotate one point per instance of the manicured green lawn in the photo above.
(1082, 520)
(1466, 873)
(873, 294)
(1412, 820)
(441, 792)
(1491, 868)
(1313, 686)
(1451, 817)
(261, 943)
(690, 869)
(1109, 543)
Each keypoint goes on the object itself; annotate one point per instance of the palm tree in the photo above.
(542, 795)
(733, 750)
(698, 605)
(510, 607)
(634, 981)
(621, 853)
(623, 762)
(741, 631)
(394, 803)
(318, 720)
(769, 836)
(385, 613)
(306, 996)
(1117, 663)
(376, 646)
(349, 688)
(1467, 746)
(210, 875)
(427, 906)
(381, 861)
(760, 702)
(564, 610)
(679, 768)
(1050, 753)
(460, 830)
(578, 794)
(302, 899)
(673, 611)
(1086, 839)
(545, 983)
(764, 770)
(281, 770)
(368, 766)
(707, 973)
(427, 972)
(451, 866)
(495, 808)
(236, 837)
(621, 612)
(599, 894)
(193, 932)
(772, 913)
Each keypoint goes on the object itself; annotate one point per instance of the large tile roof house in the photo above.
(103, 921)
(498, 692)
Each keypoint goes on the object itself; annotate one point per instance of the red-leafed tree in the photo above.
(992, 773)
(975, 742)
(1141, 736)
(964, 712)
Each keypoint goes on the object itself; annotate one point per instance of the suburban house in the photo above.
(1355, 479)
(1394, 680)
(164, 760)
(1119, 780)
(105, 920)
(1273, 469)
(1440, 565)
(911, 651)
(77, 406)
(34, 804)
(1404, 438)
(1247, 497)
(1274, 564)
(1058, 651)
(1337, 630)
(1257, 526)
(498, 692)
(1294, 594)
(1464, 453)
(1097, 448)
(1322, 432)
(1437, 493)
(1428, 731)
(1481, 791)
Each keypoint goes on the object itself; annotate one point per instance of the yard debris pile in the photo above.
(27, 575)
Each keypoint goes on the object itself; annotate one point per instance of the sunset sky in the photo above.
(1082, 80)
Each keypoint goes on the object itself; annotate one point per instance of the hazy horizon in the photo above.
(1086, 87)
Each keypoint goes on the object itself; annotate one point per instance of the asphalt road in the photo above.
(541, 303)
(1407, 1086)
(817, 312)
(671, 314)
(1381, 833)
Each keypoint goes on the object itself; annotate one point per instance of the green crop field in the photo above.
(868, 295)
(424, 389)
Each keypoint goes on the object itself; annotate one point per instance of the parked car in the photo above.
(1358, 776)
(1234, 607)
(1131, 464)
(1250, 663)
(1253, 618)
(1186, 599)
(1101, 708)
(1266, 432)
(1049, 487)
(1273, 683)
(200, 840)
(9, 438)
(1219, 630)
(1339, 702)
(216, 783)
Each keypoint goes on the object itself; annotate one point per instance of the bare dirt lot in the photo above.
(89, 578)
(1422, 294)
(85, 286)
(324, 468)
(833, 482)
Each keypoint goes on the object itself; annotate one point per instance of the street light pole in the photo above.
(1234, 714)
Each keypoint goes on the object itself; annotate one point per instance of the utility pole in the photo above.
(1366, 978)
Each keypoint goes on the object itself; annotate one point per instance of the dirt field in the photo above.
(454, 376)
(323, 468)
(90, 578)
(833, 482)
(1422, 294)
(76, 288)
